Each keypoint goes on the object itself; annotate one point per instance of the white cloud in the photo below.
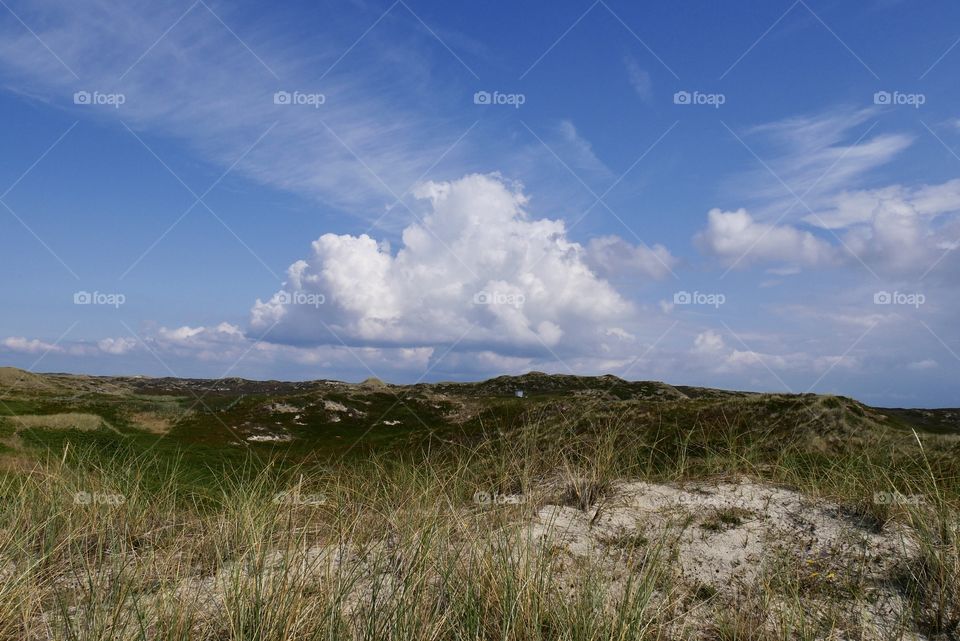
(612, 256)
(817, 157)
(475, 268)
(863, 206)
(784, 271)
(189, 336)
(735, 237)
(837, 314)
(925, 364)
(578, 152)
(708, 342)
(117, 346)
(200, 84)
(639, 79)
(710, 352)
(619, 332)
(894, 229)
(27, 346)
(227, 345)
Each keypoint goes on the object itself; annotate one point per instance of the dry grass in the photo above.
(395, 547)
(65, 421)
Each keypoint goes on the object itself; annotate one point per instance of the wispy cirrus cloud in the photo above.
(639, 79)
(184, 72)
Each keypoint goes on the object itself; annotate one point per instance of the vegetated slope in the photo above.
(539, 384)
(324, 414)
(18, 379)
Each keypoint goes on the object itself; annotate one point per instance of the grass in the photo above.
(65, 421)
(134, 537)
(726, 518)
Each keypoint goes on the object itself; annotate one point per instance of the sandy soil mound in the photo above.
(734, 539)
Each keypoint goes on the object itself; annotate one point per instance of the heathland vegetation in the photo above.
(590, 508)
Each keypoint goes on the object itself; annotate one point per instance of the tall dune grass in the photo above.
(395, 546)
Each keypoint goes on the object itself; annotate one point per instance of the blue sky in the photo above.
(758, 195)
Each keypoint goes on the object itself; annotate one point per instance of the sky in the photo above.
(755, 195)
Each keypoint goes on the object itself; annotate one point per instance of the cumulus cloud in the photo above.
(736, 238)
(194, 336)
(224, 347)
(27, 346)
(117, 346)
(227, 343)
(708, 342)
(711, 352)
(862, 206)
(894, 229)
(476, 268)
(612, 256)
